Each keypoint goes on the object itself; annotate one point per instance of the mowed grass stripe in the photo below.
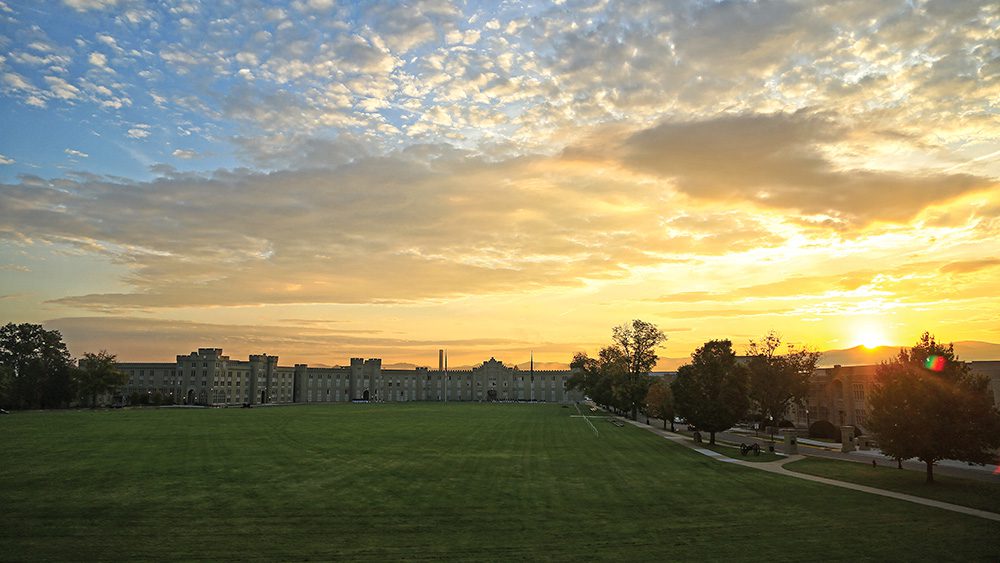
(423, 482)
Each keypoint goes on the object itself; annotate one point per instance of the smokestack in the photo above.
(440, 360)
(532, 365)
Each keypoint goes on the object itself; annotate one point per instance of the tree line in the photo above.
(38, 372)
(926, 404)
(714, 391)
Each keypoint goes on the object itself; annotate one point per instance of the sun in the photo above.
(871, 337)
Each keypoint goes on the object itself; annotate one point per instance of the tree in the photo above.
(619, 377)
(35, 365)
(98, 373)
(711, 391)
(595, 377)
(777, 381)
(928, 405)
(635, 345)
(660, 402)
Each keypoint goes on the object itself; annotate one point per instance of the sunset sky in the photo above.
(322, 179)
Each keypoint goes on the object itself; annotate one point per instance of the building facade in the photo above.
(841, 394)
(209, 377)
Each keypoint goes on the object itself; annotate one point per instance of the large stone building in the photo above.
(208, 377)
(840, 394)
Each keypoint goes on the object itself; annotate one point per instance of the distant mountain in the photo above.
(399, 365)
(671, 364)
(523, 366)
(859, 355)
(543, 365)
(967, 350)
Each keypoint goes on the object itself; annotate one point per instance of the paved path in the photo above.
(988, 473)
(777, 467)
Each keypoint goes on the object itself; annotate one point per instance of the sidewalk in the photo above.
(778, 468)
(817, 448)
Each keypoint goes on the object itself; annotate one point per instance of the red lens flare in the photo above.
(934, 363)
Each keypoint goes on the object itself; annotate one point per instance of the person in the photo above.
(874, 464)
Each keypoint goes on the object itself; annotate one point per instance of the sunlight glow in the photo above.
(871, 336)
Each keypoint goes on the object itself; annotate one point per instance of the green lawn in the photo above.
(966, 492)
(424, 482)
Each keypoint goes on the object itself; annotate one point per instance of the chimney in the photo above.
(441, 360)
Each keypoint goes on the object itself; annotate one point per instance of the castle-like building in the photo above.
(839, 395)
(209, 377)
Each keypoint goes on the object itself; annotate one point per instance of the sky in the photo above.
(323, 180)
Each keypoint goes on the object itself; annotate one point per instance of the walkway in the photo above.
(813, 448)
(777, 467)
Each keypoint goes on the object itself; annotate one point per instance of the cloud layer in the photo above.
(769, 160)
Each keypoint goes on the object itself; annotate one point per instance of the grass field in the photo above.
(966, 492)
(424, 482)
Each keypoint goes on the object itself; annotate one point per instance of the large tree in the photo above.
(619, 376)
(635, 343)
(778, 380)
(98, 374)
(711, 391)
(929, 405)
(596, 377)
(36, 366)
(660, 402)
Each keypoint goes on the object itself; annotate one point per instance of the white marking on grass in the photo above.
(587, 418)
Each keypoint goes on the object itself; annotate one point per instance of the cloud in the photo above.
(62, 89)
(6, 160)
(292, 342)
(86, 5)
(109, 41)
(775, 161)
(76, 153)
(99, 60)
(16, 81)
(139, 131)
(969, 266)
(424, 223)
(186, 154)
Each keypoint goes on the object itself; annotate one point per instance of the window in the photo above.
(859, 392)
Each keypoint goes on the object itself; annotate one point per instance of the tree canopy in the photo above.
(928, 405)
(660, 402)
(778, 380)
(619, 376)
(711, 391)
(35, 367)
(97, 374)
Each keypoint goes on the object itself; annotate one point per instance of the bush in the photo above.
(786, 424)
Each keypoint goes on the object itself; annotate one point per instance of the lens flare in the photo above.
(934, 363)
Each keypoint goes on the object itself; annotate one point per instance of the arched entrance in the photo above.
(190, 397)
(263, 397)
(366, 395)
(491, 395)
